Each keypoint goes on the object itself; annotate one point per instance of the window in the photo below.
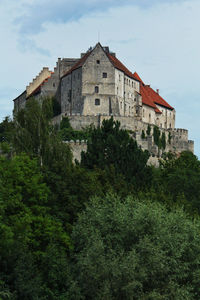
(98, 62)
(119, 77)
(104, 75)
(96, 89)
(97, 101)
(54, 84)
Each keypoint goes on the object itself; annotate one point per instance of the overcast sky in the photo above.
(157, 38)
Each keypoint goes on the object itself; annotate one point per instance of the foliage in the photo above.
(143, 135)
(28, 232)
(112, 146)
(148, 132)
(67, 133)
(180, 177)
(156, 136)
(169, 137)
(121, 249)
(6, 130)
(129, 249)
(56, 107)
(163, 140)
(35, 135)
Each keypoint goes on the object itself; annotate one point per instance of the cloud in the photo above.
(37, 13)
(26, 44)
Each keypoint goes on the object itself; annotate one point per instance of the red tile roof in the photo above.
(147, 100)
(157, 98)
(136, 76)
(153, 96)
(119, 65)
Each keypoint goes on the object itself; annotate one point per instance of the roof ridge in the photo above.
(119, 65)
(158, 99)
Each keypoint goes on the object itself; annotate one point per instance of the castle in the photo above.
(96, 86)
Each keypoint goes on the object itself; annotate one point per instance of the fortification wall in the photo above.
(177, 144)
(77, 147)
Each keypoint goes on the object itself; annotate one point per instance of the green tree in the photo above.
(28, 230)
(111, 146)
(143, 135)
(156, 136)
(6, 130)
(163, 140)
(180, 178)
(130, 249)
(148, 132)
(35, 135)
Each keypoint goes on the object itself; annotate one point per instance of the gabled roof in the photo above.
(147, 100)
(119, 65)
(157, 98)
(115, 62)
(136, 76)
(151, 96)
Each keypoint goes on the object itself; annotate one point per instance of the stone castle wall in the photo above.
(177, 143)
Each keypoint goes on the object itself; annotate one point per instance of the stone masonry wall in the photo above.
(98, 84)
(179, 137)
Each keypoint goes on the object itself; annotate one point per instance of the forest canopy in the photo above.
(107, 227)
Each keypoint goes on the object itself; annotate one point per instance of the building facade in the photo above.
(98, 85)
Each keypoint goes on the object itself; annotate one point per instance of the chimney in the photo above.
(157, 90)
(106, 49)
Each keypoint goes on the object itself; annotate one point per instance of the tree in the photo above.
(180, 177)
(36, 136)
(148, 132)
(163, 140)
(6, 130)
(111, 146)
(131, 249)
(28, 231)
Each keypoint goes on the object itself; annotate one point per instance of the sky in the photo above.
(159, 39)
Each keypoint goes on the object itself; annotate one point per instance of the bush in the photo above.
(136, 250)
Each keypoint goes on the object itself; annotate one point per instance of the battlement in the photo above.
(180, 130)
